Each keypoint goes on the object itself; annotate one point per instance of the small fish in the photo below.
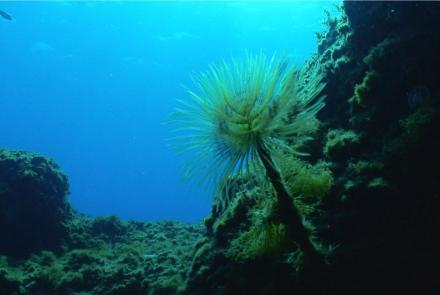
(5, 15)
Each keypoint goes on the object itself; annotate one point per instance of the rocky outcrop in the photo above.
(377, 224)
(33, 203)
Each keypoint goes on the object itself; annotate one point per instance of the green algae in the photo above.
(339, 143)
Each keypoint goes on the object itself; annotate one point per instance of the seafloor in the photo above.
(370, 191)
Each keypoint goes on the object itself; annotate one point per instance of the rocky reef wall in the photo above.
(376, 225)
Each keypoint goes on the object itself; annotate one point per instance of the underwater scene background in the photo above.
(91, 84)
(321, 160)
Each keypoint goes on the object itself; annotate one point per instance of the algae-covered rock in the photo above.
(149, 258)
(340, 144)
(247, 238)
(48, 248)
(308, 183)
(9, 281)
(33, 203)
(378, 138)
(110, 228)
(378, 210)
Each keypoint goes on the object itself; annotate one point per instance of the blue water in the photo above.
(90, 84)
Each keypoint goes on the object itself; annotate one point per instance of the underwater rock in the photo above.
(33, 203)
(49, 248)
(340, 144)
(146, 258)
(382, 207)
(110, 228)
(378, 136)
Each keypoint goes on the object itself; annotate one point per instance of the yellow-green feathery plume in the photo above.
(239, 104)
